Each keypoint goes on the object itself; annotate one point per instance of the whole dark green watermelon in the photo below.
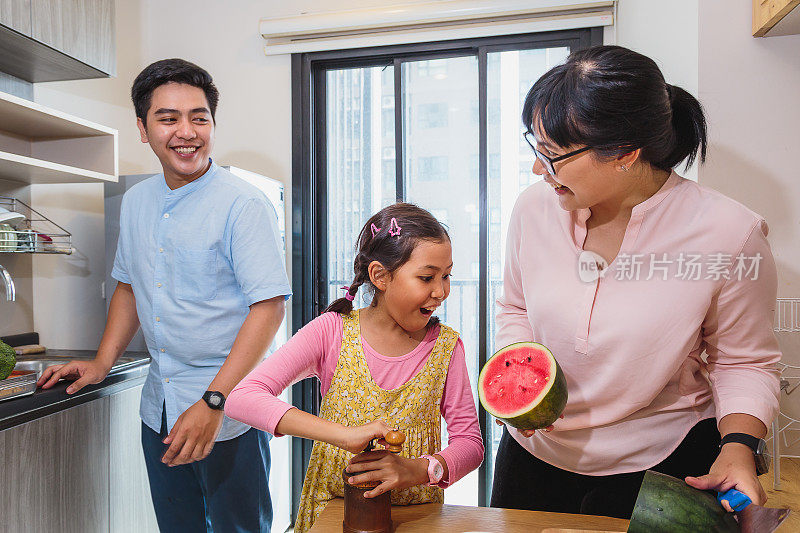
(8, 359)
(668, 505)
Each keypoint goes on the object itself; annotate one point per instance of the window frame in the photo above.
(309, 186)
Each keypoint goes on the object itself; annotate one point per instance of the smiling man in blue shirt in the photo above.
(200, 268)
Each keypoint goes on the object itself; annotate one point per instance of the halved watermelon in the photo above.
(523, 386)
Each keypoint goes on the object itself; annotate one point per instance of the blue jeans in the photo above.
(228, 491)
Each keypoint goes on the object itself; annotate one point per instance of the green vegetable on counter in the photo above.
(8, 359)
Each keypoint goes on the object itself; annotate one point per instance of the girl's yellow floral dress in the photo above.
(354, 399)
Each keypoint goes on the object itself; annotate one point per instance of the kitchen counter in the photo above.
(45, 402)
(435, 518)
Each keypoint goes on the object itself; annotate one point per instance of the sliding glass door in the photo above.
(440, 172)
(510, 74)
(437, 125)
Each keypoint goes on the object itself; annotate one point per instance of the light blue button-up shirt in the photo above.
(197, 257)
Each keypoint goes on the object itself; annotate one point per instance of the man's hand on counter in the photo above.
(192, 436)
(83, 372)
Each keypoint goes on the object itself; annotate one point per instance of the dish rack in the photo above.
(36, 234)
(787, 320)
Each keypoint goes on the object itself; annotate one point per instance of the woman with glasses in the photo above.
(655, 294)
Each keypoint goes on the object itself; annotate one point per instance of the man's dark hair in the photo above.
(171, 71)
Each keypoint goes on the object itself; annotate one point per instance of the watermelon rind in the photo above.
(667, 504)
(552, 400)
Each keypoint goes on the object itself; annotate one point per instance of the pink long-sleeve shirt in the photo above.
(314, 351)
(631, 341)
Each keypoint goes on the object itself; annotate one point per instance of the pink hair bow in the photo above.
(394, 228)
(375, 229)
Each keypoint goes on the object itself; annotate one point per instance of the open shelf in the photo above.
(43, 145)
(35, 171)
(29, 119)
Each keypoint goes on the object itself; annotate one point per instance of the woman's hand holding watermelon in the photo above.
(529, 432)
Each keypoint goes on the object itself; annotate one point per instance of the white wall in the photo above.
(667, 32)
(17, 316)
(751, 90)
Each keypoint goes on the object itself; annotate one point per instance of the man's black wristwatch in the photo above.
(758, 446)
(214, 399)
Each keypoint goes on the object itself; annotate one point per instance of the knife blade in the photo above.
(757, 519)
(752, 518)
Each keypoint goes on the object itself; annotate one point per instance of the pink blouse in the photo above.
(677, 329)
(314, 351)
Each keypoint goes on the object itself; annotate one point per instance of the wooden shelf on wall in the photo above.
(776, 17)
(43, 145)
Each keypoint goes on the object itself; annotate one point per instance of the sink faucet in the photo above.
(10, 290)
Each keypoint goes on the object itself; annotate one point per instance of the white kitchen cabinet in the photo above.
(130, 505)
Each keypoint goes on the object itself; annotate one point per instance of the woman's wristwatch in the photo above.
(435, 470)
(758, 446)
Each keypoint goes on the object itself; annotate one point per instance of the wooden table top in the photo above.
(438, 518)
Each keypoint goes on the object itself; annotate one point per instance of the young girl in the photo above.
(389, 365)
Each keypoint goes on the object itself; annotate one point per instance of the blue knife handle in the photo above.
(737, 500)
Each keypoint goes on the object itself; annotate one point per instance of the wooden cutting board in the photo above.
(438, 518)
(29, 349)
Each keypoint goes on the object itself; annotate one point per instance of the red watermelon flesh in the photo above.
(523, 385)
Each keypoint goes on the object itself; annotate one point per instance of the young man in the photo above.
(200, 269)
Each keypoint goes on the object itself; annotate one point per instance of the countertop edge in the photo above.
(44, 403)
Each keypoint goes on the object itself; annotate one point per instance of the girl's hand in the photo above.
(734, 468)
(391, 470)
(355, 439)
(528, 432)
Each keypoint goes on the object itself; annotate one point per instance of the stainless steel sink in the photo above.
(31, 362)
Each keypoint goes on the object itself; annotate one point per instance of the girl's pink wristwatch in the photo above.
(435, 470)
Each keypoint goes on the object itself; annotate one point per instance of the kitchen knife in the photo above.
(753, 518)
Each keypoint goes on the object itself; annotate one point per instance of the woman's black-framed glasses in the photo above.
(548, 161)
